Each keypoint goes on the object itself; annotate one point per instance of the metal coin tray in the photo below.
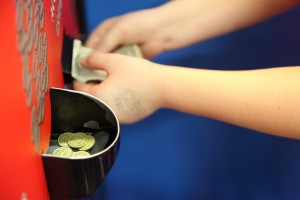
(71, 111)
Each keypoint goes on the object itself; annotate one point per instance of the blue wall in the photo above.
(172, 155)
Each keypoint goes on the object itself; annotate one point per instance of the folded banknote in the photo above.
(83, 74)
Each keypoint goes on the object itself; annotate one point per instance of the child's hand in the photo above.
(130, 87)
(156, 30)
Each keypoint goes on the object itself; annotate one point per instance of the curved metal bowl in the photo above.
(72, 111)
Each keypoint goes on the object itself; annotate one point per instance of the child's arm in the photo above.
(266, 100)
(182, 22)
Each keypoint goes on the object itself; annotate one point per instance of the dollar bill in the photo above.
(83, 74)
(129, 50)
(79, 72)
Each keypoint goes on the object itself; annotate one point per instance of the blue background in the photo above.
(173, 155)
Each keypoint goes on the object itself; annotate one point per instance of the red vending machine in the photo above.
(36, 108)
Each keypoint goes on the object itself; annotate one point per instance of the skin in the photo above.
(183, 22)
(266, 100)
(245, 98)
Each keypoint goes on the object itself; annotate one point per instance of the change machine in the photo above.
(36, 108)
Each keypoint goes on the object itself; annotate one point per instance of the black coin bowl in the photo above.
(72, 111)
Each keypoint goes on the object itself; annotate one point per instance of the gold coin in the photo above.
(77, 140)
(64, 138)
(63, 152)
(79, 154)
(89, 144)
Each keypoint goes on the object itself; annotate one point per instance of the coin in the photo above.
(77, 140)
(80, 154)
(63, 152)
(89, 144)
(64, 138)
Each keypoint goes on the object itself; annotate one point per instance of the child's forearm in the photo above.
(212, 18)
(266, 100)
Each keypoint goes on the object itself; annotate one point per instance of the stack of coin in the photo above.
(74, 144)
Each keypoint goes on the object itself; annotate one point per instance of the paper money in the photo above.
(129, 50)
(79, 72)
(83, 74)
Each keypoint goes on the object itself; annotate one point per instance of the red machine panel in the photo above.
(31, 45)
